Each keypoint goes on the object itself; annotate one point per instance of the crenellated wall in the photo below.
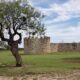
(37, 45)
(54, 47)
(65, 47)
(43, 46)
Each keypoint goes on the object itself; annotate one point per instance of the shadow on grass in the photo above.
(72, 60)
(7, 66)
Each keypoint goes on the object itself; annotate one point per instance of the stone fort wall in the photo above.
(43, 45)
(65, 47)
(37, 45)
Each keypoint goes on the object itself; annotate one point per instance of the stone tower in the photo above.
(37, 45)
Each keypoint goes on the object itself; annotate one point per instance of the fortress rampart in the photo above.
(37, 45)
(43, 46)
(65, 47)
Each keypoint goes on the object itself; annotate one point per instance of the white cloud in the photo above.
(66, 11)
(68, 34)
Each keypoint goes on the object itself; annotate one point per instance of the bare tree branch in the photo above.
(2, 35)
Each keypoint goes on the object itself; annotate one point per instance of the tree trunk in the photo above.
(14, 50)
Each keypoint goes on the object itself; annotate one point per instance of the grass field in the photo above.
(34, 64)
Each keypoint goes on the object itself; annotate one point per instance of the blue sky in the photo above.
(62, 19)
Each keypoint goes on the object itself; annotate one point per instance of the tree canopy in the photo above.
(20, 16)
(15, 16)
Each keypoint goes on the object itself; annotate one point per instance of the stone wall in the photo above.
(63, 47)
(43, 45)
(54, 47)
(37, 45)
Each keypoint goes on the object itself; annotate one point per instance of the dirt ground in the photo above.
(74, 75)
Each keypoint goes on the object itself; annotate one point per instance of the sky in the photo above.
(62, 19)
